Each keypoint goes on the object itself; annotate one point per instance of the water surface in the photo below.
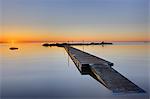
(35, 71)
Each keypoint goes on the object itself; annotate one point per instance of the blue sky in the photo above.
(123, 18)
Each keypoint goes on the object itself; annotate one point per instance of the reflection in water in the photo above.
(35, 71)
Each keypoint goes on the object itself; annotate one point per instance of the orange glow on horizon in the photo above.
(20, 34)
(55, 39)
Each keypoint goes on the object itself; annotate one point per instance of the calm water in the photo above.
(38, 72)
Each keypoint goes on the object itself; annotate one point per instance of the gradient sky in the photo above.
(74, 20)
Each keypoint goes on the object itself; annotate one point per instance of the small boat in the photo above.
(13, 48)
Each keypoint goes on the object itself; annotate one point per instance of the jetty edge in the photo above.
(102, 71)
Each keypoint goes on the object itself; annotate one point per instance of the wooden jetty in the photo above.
(102, 71)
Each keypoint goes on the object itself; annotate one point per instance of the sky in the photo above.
(74, 20)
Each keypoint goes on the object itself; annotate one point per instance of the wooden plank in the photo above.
(102, 71)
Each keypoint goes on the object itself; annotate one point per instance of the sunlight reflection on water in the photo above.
(37, 71)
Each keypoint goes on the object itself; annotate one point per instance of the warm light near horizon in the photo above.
(12, 42)
(18, 34)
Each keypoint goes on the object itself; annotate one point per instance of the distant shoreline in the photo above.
(74, 41)
(73, 44)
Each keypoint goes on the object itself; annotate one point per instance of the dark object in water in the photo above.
(103, 43)
(46, 44)
(13, 48)
(73, 44)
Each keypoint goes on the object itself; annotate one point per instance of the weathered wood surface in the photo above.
(102, 71)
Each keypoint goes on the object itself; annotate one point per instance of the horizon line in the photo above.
(69, 41)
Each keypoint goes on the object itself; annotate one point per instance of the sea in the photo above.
(37, 72)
